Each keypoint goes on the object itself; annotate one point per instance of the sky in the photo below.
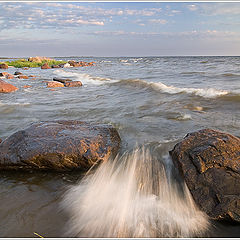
(119, 28)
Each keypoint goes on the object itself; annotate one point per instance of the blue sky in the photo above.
(119, 28)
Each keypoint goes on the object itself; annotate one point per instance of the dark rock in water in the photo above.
(73, 84)
(209, 161)
(3, 66)
(62, 80)
(7, 87)
(17, 73)
(59, 145)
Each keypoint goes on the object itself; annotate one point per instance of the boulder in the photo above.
(45, 66)
(17, 73)
(53, 84)
(209, 161)
(32, 76)
(59, 145)
(62, 80)
(22, 77)
(3, 66)
(55, 66)
(38, 59)
(27, 86)
(73, 84)
(6, 87)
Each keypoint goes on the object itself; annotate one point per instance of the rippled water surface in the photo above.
(152, 101)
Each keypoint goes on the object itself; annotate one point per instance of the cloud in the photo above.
(158, 21)
(192, 7)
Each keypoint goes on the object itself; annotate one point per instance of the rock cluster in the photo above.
(63, 82)
(38, 59)
(209, 161)
(59, 145)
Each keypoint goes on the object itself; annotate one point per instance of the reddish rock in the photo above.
(38, 59)
(6, 87)
(54, 84)
(3, 66)
(3, 74)
(27, 86)
(32, 76)
(59, 145)
(22, 77)
(56, 66)
(209, 161)
(45, 66)
(25, 68)
(73, 84)
(9, 76)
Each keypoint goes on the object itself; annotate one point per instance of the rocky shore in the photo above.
(44, 63)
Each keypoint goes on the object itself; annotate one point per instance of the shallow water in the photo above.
(152, 101)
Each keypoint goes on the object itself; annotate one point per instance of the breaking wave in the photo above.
(132, 196)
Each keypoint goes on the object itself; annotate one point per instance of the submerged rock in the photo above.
(22, 77)
(59, 145)
(209, 161)
(6, 87)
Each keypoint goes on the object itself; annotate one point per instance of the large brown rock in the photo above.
(6, 87)
(62, 80)
(3, 66)
(53, 84)
(59, 145)
(209, 161)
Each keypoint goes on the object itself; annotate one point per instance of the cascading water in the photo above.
(132, 196)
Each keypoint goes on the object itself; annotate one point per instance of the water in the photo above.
(152, 101)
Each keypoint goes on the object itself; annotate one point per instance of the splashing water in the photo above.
(132, 197)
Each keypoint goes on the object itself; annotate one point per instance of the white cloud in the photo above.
(192, 7)
(158, 21)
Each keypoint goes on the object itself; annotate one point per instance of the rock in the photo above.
(32, 76)
(6, 87)
(17, 73)
(53, 84)
(9, 76)
(3, 74)
(27, 86)
(73, 84)
(45, 66)
(59, 145)
(22, 77)
(62, 80)
(0, 140)
(209, 161)
(25, 68)
(74, 64)
(3, 66)
(38, 59)
(55, 66)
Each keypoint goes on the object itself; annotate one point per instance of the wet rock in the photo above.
(73, 84)
(25, 68)
(209, 161)
(59, 145)
(45, 66)
(62, 80)
(53, 84)
(6, 87)
(32, 76)
(9, 76)
(27, 86)
(18, 73)
(3, 66)
(3, 74)
(55, 66)
(22, 77)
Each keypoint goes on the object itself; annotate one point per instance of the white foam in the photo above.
(132, 197)
(83, 77)
(207, 93)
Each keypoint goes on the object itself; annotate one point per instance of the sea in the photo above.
(153, 102)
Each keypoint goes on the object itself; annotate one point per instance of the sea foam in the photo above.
(132, 196)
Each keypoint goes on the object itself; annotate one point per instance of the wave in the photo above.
(132, 196)
(158, 86)
(83, 77)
